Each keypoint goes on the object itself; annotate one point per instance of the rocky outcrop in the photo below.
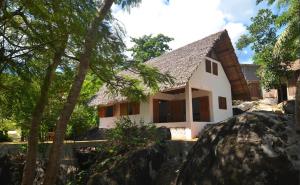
(288, 107)
(244, 150)
(158, 164)
(240, 107)
(135, 168)
(11, 169)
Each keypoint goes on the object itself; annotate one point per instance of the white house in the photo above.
(207, 77)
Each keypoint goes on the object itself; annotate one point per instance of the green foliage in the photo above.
(128, 135)
(30, 35)
(262, 32)
(273, 51)
(4, 136)
(23, 148)
(261, 38)
(149, 46)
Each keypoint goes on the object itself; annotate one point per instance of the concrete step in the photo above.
(181, 133)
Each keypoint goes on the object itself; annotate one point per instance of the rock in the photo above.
(237, 111)
(168, 173)
(135, 168)
(245, 150)
(244, 106)
(11, 170)
(11, 167)
(288, 106)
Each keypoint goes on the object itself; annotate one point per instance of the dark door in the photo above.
(204, 109)
(201, 109)
(163, 111)
(282, 93)
(196, 109)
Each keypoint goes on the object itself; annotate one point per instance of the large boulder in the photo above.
(134, 168)
(289, 106)
(248, 149)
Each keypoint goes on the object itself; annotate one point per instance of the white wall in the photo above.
(108, 122)
(218, 86)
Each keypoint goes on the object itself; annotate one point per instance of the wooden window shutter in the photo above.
(204, 108)
(222, 103)
(155, 111)
(208, 66)
(136, 108)
(114, 109)
(123, 109)
(101, 112)
(215, 68)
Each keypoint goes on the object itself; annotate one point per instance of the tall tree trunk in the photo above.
(1, 4)
(30, 165)
(297, 102)
(61, 125)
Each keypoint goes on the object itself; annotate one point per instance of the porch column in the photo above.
(188, 104)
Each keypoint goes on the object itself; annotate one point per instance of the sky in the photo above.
(189, 20)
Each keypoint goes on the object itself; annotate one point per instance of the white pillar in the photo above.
(188, 105)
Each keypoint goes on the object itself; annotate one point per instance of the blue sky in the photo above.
(189, 20)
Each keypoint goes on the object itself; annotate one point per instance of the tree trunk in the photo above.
(30, 165)
(61, 125)
(1, 4)
(297, 102)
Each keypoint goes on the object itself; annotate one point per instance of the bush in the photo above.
(4, 136)
(128, 135)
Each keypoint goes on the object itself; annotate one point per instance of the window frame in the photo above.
(129, 108)
(215, 68)
(105, 110)
(222, 102)
(208, 66)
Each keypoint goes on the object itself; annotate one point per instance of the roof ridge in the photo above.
(191, 44)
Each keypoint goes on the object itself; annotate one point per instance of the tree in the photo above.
(149, 46)
(108, 73)
(275, 52)
(85, 38)
(262, 37)
(30, 30)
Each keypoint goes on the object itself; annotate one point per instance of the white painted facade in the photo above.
(207, 84)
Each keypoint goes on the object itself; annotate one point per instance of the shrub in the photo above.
(128, 135)
(4, 136)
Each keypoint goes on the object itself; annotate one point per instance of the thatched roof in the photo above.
(182, 62)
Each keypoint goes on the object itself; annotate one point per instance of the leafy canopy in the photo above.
(275, 39)
(149, 46)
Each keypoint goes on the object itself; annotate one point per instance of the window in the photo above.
(201, 109)
(211, 66)
(196, 109)
(165, 111)
(208, 66)
(215, 68)
(222, 103)
(106, 111)
(129, 108)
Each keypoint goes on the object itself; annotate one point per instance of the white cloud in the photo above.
(184, 20)
(238, 10)
(235, 30)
